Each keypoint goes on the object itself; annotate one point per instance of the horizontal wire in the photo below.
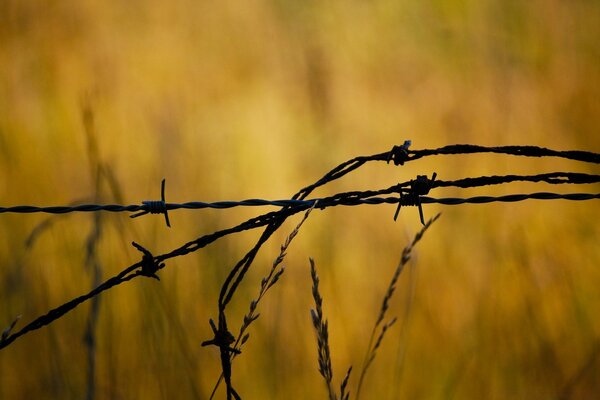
(552, 178)
(451, 201)
(512, 198)
(527, 151)
(293, 203)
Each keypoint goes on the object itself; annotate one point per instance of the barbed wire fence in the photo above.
(409, 193)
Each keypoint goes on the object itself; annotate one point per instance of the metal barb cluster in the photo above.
(155, 206)
(399, 154)
(418, 187)
(223, 339)
(149, 265)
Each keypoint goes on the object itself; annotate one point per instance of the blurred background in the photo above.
(99, 100)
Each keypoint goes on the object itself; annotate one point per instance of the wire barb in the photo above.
(155, 206)
(149, 265)
(418, 187)
(223, 339)
(399, 154)
(6, 332)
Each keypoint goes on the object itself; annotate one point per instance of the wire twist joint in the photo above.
(223, 339)
(399, 154)
(149, 266)
(418, 187)
(156, 206)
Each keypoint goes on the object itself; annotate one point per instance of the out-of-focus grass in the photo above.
(240, 100)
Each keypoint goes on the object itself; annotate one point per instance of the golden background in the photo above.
(232, 100)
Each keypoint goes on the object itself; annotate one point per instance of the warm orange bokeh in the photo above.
(232, 100)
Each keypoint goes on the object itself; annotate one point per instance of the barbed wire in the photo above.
(160, 207)
(527, 151)
(409, 193)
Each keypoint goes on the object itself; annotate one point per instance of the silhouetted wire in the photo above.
(223, 338)
(401, 154)
(551, 178)
(348, 199)
(130, 272)
(527, 151)
(511, 198)
(265, 219)
(408, 196)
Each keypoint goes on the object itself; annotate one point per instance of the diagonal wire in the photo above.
(132, 271)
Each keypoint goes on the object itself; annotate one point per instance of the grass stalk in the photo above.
(322, 330)
(374, 344)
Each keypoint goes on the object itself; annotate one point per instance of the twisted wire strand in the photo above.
(401, 154)
(511, 198)
(551, 178)
(527, 151)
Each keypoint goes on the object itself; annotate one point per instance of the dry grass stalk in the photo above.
(321, 328)
(372, 349)
(275, 273)
(343, 394)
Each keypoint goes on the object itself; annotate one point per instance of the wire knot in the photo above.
(149, 265)
(223, 339)
(422, 185)
(418, 187)
(155, 206)
(399, 154)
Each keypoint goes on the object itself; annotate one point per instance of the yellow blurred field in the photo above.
(235, 100)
